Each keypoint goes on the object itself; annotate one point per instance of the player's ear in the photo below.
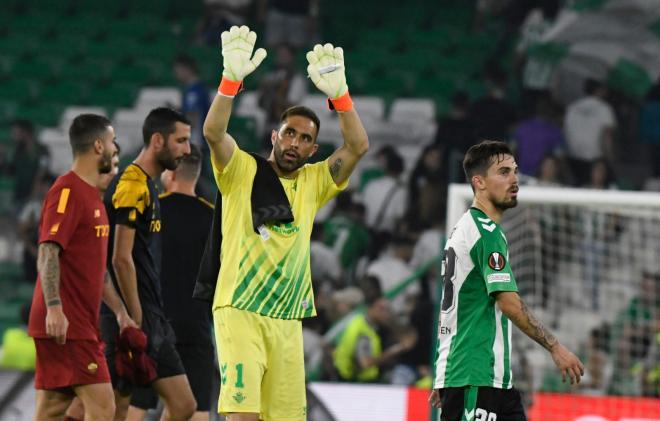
(314, 149)
(478, 182)
(273, 136)
(98, 146)
(157, 141)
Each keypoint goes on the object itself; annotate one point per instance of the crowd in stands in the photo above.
(391, 222)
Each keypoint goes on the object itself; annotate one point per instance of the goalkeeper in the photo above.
(264, 287)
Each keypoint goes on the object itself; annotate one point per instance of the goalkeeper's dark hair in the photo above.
(482, 155)
(304, 112)
(85, 129)
(161, 120)
(190, 165)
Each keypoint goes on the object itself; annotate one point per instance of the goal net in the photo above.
(588, 263)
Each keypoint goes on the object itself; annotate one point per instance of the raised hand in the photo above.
(237, 47)
(326, 70)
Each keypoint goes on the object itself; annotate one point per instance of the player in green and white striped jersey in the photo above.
(480, 300)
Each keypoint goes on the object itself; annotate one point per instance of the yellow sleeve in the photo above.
(239, 170)
(131, 193)
(325, 185)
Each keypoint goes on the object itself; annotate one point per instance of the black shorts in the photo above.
(481, 403)
(198, 361)
(160, 347)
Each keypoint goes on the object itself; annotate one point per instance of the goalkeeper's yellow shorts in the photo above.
(262, 365)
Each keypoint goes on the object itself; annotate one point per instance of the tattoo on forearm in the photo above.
(535, 329)
(48, 263)
(335, 167)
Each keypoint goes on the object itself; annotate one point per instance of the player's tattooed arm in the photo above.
(48, 263)
(335, 167)
(515, 309)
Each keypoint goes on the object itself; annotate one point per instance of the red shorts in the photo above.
(77, 362)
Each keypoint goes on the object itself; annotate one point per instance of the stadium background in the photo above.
(412, 69)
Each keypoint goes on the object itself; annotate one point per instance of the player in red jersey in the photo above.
(72, 280)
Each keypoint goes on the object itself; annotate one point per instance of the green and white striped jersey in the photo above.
(474, 337)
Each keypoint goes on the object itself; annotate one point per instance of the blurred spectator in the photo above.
(536, 137)
(598, 366)
(651, 369)
(281, 87)
(324, 262)
(601, 176)
(29, 160)
(386, 197)
(589, 127)
(292, 22)
(18, 350)
(344, 301)
(28, 226)
(649, 126)
(359, 355)
(493, 116)
(427, 187)
(537, 70)
(455, 130)
(346, 233)
(632, 335)
(550, 173)
(220, 15)
(391, 268)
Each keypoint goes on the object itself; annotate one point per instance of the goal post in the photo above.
(588, 264)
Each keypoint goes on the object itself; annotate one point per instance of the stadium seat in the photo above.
(114, 95)
(243, 129)
(44, 114)
(152, 97)
(415, 110)
(65, 92)
(73, 111)
(19, 90)
(370, 106)
(248, 106)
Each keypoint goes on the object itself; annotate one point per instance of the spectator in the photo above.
(632, 336)
(281, 87)
(359, 355)
(597, 363)
(195, 105)
(29, 160)
(536, 69)
(536, 137)
(386, 197)
(427, 187)
(292, 22)
(601, 176)
(347, 234)
(391, 268)
(649, 126)
(589, 127)
(220, 15)
(550, 173)
(28, 226)
(455, 130)
(493, 116)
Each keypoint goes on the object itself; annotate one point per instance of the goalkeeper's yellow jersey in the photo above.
(269, 273)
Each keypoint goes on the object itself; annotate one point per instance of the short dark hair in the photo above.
(161, 120)
(301, 111)
(191, 164)
(371, 288)
(480, 157)
(186, 61)
(84, 130)
(23, 124)
(591, 86)
(117, 147)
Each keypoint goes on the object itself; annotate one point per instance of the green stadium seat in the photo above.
(139, 27)
(114, 95)
(8, 111)
(138, 73)
(66, 92)
(44, 114)
(19, 45)
(92, 70)
(67, 46)
(44, 69)
(35, 24)
(85, 25)
(19, 90)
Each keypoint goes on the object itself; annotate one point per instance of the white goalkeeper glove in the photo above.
(238, 61)
(327, 72)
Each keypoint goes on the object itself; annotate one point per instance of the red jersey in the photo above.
(73, 216)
